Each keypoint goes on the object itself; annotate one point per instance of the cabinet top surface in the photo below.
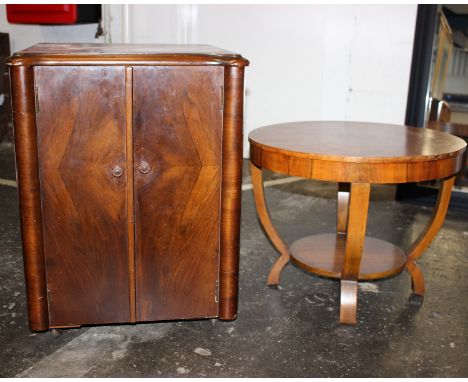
(356, 142)
(121, 54)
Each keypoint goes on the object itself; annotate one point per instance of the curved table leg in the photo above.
(343, 208)
(356, 232)
(425, 239)
(259, 196)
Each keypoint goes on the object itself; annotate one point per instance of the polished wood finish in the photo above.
(356, 142)
(178, 199)
(355, 235)
(417, 279)
(343, 208)
(262, 211)
(428, 234)
(324, 255)
(355, 152)
(126, 54)
(355, 155)
(433, 226)
(25, 134)
(231, 191)
(459, 130)
(130, 197)
(348, 301)
(79, 145)
(358, 207)
(130, 191)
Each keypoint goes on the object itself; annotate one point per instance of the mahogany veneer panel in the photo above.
(129, 162)
(178, 200)
(81, 137)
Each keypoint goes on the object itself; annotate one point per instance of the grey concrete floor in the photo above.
(290, 332)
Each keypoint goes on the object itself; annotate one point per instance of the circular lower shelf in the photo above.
(323, 254)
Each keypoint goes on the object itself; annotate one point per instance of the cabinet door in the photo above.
(177, 148)
(81, 140)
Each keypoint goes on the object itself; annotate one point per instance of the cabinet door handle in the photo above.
(117, 171)
(144, 167)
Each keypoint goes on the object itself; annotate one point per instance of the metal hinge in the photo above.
(217, 291)
(222, 97)
(36, 99)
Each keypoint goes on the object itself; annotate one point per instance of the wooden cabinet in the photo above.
(129, 169)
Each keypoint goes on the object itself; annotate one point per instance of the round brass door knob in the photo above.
(144, 167)
(117, 171)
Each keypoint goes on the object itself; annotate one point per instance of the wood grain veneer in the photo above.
(126, 54)
(355, 155)
(129, 154)
(178, 199)
(231, 192)
(83, 203)
(129, 165)
(324, 254)
(356, 152)
(27, 172)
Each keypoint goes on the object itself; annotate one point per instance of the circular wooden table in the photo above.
(355, 155)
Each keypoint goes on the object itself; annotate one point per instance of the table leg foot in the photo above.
(348, 303)
(425, 238)
(415, 300)
(417, 278)
(417, 284)
(274, 276)
(272, 233)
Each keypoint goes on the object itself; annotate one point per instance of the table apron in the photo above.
(355, 172)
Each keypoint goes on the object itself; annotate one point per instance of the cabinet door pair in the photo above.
(130, 175)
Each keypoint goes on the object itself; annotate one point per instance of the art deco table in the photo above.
(355, 155)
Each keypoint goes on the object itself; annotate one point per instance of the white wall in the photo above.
(284, 79)
(367, 62)
(25, 35)
(308, 62)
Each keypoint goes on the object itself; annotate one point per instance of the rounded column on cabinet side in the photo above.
(231, 191)
(23, 102)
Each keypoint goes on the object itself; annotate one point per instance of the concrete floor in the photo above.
(290, 332)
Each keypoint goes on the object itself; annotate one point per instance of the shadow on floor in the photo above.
(290, 332)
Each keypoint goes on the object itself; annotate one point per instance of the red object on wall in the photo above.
(42, 13)
(52, 13)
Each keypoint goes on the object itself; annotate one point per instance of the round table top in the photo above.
(357, 141)
(356, 151)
